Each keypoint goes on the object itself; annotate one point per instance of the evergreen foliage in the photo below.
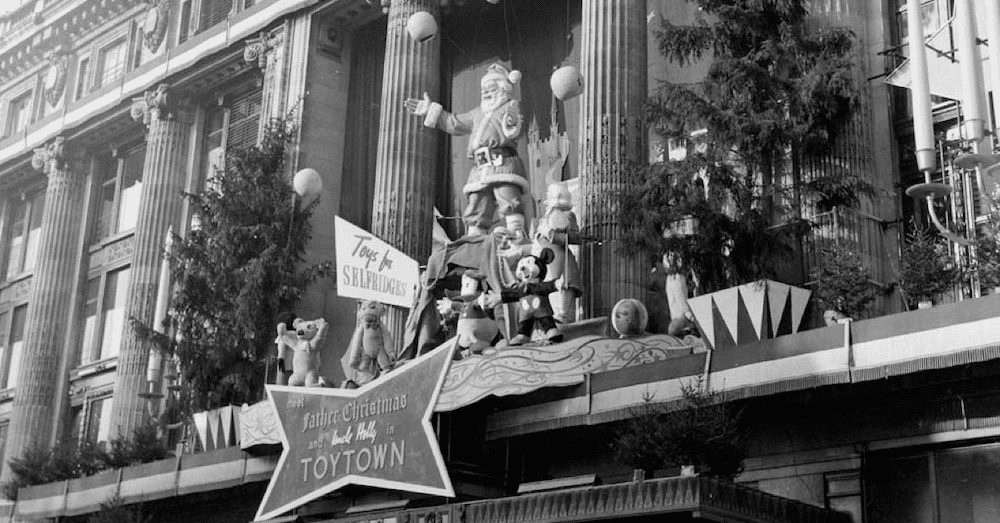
(68, 460)
(842, 282)
(237, 269)
(775, 96)
(926, 267)
(988, 246)
(115, 510)
(703, 431)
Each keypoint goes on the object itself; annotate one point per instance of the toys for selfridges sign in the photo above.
(370, 269)
(379, 435)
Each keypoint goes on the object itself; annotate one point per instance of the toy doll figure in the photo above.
(531, 292)
(476, 328)
(497, 180)
(557, 229)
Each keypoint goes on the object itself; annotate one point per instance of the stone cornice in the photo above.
(28, 40)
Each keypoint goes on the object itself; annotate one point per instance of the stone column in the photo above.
(612, 137)
(267, 51)
(34, 414)
(406, 164)
(163, 177)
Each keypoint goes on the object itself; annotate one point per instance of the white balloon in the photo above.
(307, 182)
(422, 26)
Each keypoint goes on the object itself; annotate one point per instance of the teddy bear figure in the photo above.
(476, 328)
(531, 292)
(306, 338)
(371, 342)
(557, 230)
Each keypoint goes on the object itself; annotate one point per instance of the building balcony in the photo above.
(591, 380)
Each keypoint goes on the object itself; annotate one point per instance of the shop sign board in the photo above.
(371, 269)
(379, 435)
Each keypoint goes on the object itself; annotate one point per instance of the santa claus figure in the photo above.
(497, 181)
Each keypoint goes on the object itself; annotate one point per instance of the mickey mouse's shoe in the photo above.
(520, 339)
(553, 335)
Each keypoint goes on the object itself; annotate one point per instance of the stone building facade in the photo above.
(109, 109)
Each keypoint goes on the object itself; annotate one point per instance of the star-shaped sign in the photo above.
(379, 435)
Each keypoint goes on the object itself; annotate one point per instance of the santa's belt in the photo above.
(492, 155)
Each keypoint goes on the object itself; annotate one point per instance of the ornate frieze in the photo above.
(27, 41)
(154, 25)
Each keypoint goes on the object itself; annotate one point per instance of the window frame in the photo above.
(7, 336)
(25, 98)
(97, 340)
(28, 196)
(101, 65)
(116, 160)
(86, 425)
(225, 103)
(81, 85)
(90, 54)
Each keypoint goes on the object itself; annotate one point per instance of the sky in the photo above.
(7, 5)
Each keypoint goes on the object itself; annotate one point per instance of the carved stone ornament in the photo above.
(52, 156)
(54, 82)
(154, 24)
(152, 104)
(257, 48)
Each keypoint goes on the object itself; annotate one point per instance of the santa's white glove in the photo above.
(418, 107)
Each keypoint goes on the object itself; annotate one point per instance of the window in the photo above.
(99, 420)
(121, 188)
(213, 12)
(82, 71)
(843, 493)
(23, 234)
(3, 438)
(946, 486)
(73, 426)
(18, 114)
(11, 357)
(103, 317)
(185, 21)
(229, 127)
(111, 63)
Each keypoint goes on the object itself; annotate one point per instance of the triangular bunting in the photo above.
(701, 309)
(201, 425)
(745, 330)
(777, 296)
(800, 300)
(213, 429)
(237, 410)
(785, 324)
(724, 338)
(226, 415)
(727, 300)
(754, 295)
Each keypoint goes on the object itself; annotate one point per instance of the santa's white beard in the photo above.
(489, 105)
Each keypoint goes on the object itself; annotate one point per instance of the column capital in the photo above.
(162, 103)
(260, 47)
(54, 156)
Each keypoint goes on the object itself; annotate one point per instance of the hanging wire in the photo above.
(506, 27)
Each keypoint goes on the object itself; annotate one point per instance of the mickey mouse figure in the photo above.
(531, 293)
